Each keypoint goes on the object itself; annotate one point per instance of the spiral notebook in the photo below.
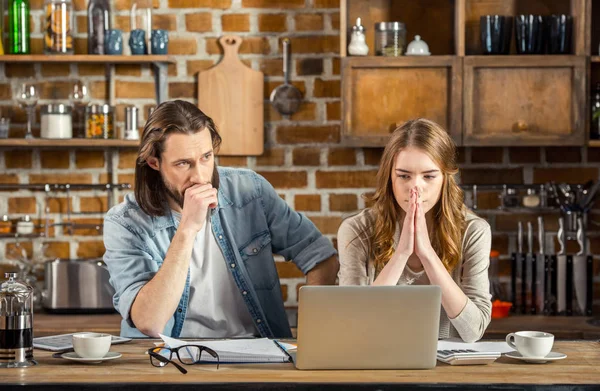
(237, 351)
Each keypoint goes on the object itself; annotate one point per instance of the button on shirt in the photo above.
(216, 307)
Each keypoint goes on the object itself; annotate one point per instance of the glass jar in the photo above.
(532, 199)
(5, 225)
(58, 26)
(390, 39)
(25, 226)
(99, 121)
(510, 198)
(56, 121)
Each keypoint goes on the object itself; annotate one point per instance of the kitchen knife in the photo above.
(540, 267)
(579, 270)
(561, 266)
(529, 276)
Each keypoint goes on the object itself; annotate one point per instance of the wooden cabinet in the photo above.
(381, 93)
(481, 100)
(535, 100)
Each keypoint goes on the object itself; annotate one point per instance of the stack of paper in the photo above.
(256, 350)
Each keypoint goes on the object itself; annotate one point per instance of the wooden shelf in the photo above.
(595, 59)
(403, 61)
(68, 143)
(594, 143)
(85, 58)
(535, 60)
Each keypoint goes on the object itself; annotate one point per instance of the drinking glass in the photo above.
(27, 97)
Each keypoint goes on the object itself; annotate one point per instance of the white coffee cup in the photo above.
(531, 343)
(91, 345)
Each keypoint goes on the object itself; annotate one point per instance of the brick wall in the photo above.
(304, 159)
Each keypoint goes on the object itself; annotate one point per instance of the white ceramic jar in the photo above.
(417, 47)
(56, 121)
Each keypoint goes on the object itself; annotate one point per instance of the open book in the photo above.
(254, 350)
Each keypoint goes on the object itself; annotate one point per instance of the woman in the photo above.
(419, 232)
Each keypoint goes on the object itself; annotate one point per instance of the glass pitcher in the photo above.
(16, 323)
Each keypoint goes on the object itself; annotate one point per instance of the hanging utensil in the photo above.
(538, 267)
(516, 271)
(528, 267)
(561, 268)
(286, 98)
(579, 269)
(590, 197)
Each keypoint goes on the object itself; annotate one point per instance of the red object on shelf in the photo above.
(500, 309)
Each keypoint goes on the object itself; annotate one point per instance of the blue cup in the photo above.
(113, 41)
(137, 42)
(159, 40)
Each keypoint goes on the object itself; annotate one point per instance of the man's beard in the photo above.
(175, 194)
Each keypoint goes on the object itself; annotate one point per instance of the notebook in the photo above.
(237, 351)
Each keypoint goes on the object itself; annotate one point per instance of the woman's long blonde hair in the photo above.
(448, 212)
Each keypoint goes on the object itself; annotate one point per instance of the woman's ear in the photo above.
(153, 162)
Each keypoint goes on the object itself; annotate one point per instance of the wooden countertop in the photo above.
(563, 327)
(582, 366)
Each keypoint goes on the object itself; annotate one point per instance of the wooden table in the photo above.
(133, 371)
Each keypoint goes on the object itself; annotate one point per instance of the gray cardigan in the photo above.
(471, 273)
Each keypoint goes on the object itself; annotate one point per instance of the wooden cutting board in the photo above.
(232, 95)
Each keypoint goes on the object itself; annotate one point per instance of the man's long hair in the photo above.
(176, 116)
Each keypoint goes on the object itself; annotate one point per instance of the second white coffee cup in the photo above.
(531, 343)
(91, 345)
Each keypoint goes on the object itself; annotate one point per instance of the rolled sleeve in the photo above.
(293, 235)
(475, 317)
(129, 264)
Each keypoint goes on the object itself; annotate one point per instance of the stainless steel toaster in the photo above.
(77, 286)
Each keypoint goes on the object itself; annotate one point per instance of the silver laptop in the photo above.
(368, 327)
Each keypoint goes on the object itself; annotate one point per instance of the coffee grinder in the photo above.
(16, 323)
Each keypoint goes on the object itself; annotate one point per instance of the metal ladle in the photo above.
(286, 98)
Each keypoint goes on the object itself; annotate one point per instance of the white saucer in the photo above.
(552, 356)
(74, 357)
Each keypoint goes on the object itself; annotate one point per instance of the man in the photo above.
(192, 254)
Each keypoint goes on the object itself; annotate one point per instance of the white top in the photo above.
(216, 308)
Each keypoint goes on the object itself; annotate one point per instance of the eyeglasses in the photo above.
(190, 354)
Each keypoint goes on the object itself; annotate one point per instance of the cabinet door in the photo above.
(381, 93)
(524, 100)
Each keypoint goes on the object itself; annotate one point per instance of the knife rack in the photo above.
(554, 282)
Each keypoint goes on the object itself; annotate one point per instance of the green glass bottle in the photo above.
(18, 27)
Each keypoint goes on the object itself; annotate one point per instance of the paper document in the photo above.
(252, 350)
(457, 343)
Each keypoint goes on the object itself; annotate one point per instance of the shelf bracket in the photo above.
(160, 81)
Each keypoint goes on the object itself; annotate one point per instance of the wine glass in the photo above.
(27, 96)
(79, 97)
(79, 93)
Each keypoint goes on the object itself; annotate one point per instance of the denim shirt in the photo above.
(250, 223)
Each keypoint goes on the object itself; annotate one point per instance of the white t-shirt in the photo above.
(216, 308)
